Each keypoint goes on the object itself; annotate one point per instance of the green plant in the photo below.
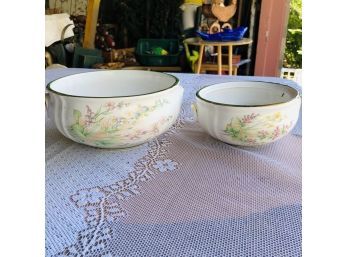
(293, 50)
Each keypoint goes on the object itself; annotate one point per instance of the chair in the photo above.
(236, 63)
(193, 58)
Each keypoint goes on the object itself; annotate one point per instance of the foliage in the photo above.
(293, 50)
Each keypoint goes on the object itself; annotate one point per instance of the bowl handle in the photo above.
(194, 110)
(47, 98)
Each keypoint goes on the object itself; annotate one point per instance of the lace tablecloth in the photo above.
(182, 194)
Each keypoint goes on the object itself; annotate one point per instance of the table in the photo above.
(202, 44)
(182, 194)
(155, 68)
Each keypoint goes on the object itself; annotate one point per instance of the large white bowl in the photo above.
(247, 113)
(114, 109)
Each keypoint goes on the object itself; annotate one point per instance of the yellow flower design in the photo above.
(277, 116)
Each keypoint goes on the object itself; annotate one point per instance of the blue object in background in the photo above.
(225, 35)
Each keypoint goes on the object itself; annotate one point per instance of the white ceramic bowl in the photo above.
(114, 109)
(247, 113)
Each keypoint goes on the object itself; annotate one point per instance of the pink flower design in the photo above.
(276, 133)
(249, 118)
(250, 141)
(110, 106)
(262, 134)
(89, 111)
(89, 116)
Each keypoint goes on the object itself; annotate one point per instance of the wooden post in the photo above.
(201, 52)
(219, 60)
(271, 37)
(230, 57)
(91, 23)
(240, 8)
(251, 31)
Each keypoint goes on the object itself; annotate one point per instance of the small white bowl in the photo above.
(114, 109)
(247, 113)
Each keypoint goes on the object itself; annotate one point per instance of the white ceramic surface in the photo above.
(247, 113)
(114, 109)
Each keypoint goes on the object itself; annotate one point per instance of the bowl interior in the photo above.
(120, 83)
(251, 93)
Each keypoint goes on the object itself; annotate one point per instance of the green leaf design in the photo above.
(232, 131)
(241, 123)
(104, 142)
(77, 115)
(77, 129)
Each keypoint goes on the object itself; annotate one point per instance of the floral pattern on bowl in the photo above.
(257, 129)
(113, 122)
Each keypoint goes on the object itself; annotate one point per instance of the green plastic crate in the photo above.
(86, 58)
(171, 45)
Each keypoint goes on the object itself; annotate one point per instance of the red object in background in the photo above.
(103, 39)
(110, 41)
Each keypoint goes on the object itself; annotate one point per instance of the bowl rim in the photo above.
(49, 89)
(238, 105)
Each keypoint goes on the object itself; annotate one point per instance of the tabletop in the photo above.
(198, 41)
(181, 194)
